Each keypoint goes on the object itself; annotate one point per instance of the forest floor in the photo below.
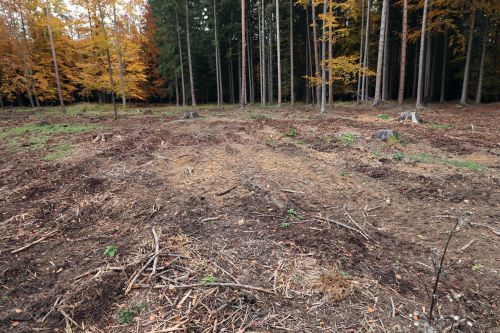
(256, 220)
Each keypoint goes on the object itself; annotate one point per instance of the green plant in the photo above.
(477, 267)
(208, 279)
(292, 213)
(464, 164)
(422, 158)
(60, 151)
(393, 140)
(348, 138)
(126, 316)
(375, 153)
(110, 251)
(384, 116)
(301, 142)
(292, 132)
(398, 156)
(344, 173)
(285, 225)
(142, 306)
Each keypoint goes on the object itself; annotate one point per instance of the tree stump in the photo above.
(103, 137)
(191, 115)
(385, 134)
(413, 116)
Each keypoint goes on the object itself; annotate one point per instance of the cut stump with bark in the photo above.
(385, 134)
(191, 115)
(413, 116)
(103, 137)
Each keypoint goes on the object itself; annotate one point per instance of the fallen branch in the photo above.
(206, 285)
(136, 276)
(466, 246)
(226, 191)
(343, 225)
(495, 231)
(291, 191)
(157, 251)
(95, 270)
(27, 246)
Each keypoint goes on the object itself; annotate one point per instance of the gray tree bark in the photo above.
(420, 84)
(316, 51)
(54, 59)
(278, 50)
(243, 78)
(120, 57)
(402, 66)
(364, 87)
(481, 66)
(381, 44)
(361, 44)
(323, 58)
(183, 87)
(465, 85)
(292, 74)
(443, 68)
(191, 80)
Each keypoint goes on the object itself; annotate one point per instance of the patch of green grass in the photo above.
(38, 141)
(285, 225)
(126, 316)
(463, 164)
(292, 213)
(110, 251)
(51, 129)
(344, 173)
(421, 158)
(393, 140)
(375, 154)
(301, 142)
(208, 279)
(440, 126)
(292, 132)
(384, 116)
(348, 138)
(398, 156)
(60, 152)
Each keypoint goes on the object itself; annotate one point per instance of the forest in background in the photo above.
(183, 51)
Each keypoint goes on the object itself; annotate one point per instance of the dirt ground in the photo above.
(257, 220)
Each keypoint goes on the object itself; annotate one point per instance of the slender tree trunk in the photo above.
(420, 84)
(28, 70)
(316, 51)
(264, 76)
(367, 53)
(278, 50)
(443, 69)
(1, 101)
(54, 59)
(309, 57)
(432, 75)
(176, 90)
(481, 66)
(402, 66)
(415, 73)
(239, 73)
(361, 44)
(216, 40)
(292, 74)
(183, 84)
(465, 85)
(261, 36)
(190, 62)
(385, 75)
(427, 68)
(323, 58)
(120, 58)
(330, 56)
(231, 74)
(271, 64)
(380, 59)
(243, 78)
(108, 56)
(250, 70)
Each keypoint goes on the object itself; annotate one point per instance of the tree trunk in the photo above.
(176, 90)
(361, 44)
(402, 66)
(309, 65)
(243, 78)
(216, 40)
(330, 56)
(261, 72)
(292, 74)
(420, 84)
(415, 73)
(271, 57)
(316, 51)
(427, 77)
(1, 101)
(120, 58)
(385, 75)
(364, 88)
(190, 62)
(465, 85)
(264, 76)
(250, 72)
(183, 87)
(481, 66)
(231, 74)
(323, 58)
(278, 50)
(443, 69)
(54, 59)
(108, 56)
(381, 45)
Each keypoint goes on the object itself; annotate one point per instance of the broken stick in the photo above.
(27, 246)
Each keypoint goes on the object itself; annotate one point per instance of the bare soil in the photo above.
(245, 197)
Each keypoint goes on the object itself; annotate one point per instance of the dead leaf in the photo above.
(371, 309)
(18, 310)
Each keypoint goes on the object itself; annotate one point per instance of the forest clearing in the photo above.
(253, 220)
